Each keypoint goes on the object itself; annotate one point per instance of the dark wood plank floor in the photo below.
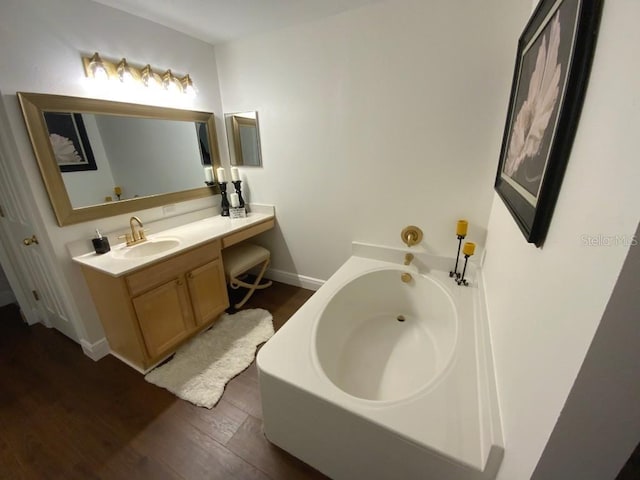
(63, 415)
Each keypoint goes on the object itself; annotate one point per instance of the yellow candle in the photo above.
(117, 190)
(461, 229)
(469, 248)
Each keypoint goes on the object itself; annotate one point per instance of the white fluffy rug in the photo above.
(200, 369)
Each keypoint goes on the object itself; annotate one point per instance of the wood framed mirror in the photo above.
(100, 158)
(243, 137)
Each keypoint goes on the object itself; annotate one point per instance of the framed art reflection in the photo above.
(69, 141)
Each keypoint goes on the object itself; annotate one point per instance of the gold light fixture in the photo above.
(96, 67)
(125, 72)
(100, 69)
(149, 78)
(187, 86)
(171, 83)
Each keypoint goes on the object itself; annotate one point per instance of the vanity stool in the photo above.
(241, 258)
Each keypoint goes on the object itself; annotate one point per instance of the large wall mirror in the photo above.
(100, 158)
(243, 137)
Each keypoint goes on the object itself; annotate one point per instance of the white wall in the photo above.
(597, 431)
(545, 304)
(375, 119)
(42, 46)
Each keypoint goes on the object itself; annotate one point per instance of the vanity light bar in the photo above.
(99, 68)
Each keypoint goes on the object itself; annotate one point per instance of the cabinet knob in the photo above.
(180, 282)
(190, 275)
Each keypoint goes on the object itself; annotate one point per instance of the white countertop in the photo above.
(189, 235)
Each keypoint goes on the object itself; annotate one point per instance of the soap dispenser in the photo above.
(100, 243)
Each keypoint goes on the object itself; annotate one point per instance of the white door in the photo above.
(22, 255)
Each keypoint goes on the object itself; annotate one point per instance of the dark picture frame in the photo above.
(553, 62)
(203, 143)
(69, 141)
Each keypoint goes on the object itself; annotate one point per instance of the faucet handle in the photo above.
(408, 257)
(127, 238)
(141, 234)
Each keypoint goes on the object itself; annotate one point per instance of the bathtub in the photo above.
(379, 378)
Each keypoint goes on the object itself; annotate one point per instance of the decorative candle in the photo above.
(461, 229)
(235, 201)
(208, 174)
(469, 248)
(235, 174)
(221, 175)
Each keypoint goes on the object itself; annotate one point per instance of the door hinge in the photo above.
(35, 295)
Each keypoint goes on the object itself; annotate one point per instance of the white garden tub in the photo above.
(381, 379)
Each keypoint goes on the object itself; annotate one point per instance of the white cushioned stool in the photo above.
(241, 258)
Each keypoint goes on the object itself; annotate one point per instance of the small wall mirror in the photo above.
(99, 158)
(243, 137)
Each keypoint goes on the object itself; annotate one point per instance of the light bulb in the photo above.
(171, 83)
(149, 78)
(97, 68)
(124, 72)
(187, 86)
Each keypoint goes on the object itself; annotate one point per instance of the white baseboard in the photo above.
(294, 279)
(95, 351)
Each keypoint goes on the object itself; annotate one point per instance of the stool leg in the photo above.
(252, 288)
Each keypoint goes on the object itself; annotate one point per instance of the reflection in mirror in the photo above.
(243, 137)
(100, 158)
(138, 155)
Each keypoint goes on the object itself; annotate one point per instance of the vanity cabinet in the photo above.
(147, 313)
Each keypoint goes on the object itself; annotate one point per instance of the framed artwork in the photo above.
(552, 69)
(69, 141)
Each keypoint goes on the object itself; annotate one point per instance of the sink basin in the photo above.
(148, 248)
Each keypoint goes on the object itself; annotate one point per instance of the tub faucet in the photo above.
(411, 235)
(408, 257)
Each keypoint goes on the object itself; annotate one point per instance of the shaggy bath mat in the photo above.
(200, 369)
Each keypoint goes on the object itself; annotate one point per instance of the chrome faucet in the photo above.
(136, 236)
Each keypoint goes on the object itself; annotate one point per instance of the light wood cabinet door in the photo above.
(208, 291)
(164, 316)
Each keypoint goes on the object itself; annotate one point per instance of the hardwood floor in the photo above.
(64, 416)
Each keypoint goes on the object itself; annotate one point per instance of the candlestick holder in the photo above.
(224, 201)
(461, 280)
(236, 184)
(454, 272)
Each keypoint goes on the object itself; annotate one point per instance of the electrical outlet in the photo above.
(168, 210)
